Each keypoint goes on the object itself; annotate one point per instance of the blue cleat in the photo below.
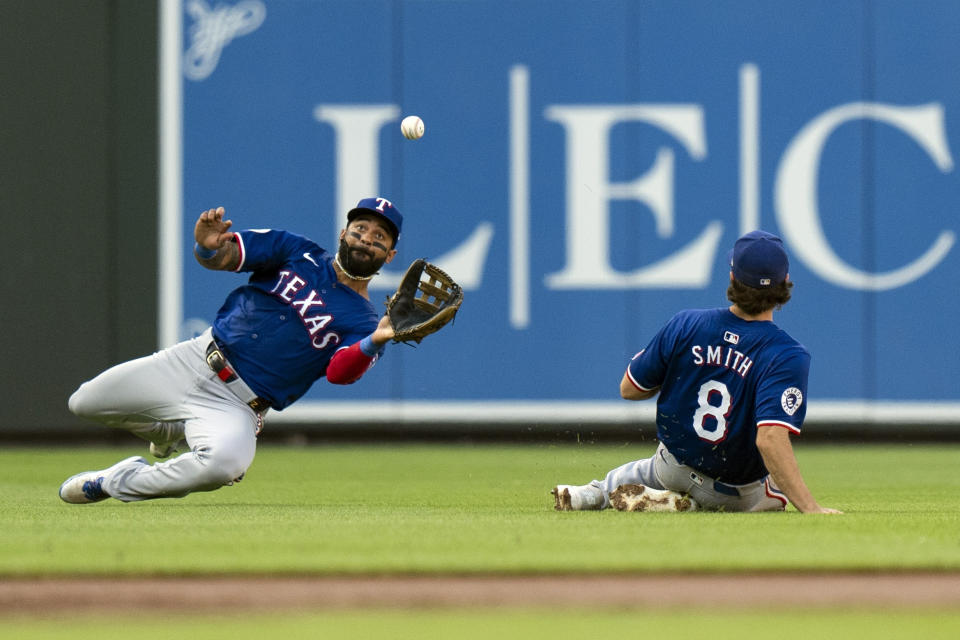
(83, 488)
(87, 486)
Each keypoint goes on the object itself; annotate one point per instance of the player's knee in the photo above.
(82, 403)
(220, 465)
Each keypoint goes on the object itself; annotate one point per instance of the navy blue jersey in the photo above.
(721, 377)
(281, 329)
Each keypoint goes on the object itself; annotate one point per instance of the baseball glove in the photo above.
(425, 301)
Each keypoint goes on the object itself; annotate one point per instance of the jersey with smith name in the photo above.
(720, 378)
(280, 330)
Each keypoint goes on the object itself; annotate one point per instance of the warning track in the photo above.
(272, 593)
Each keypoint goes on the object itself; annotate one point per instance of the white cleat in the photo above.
(637, 497)
(585, 497)
(87, 486)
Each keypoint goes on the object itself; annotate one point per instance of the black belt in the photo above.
(218, 364)
(725, 489)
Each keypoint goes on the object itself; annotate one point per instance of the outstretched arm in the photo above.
(384, 332)
(212, 234)
(348, 364)
(774, 445)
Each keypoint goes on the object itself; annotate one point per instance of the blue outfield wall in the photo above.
(586, 168)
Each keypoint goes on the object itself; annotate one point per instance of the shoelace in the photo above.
(92, 488)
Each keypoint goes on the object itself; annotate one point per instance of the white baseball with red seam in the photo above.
(412, 127)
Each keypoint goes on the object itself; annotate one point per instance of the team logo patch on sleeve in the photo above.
(791, 400)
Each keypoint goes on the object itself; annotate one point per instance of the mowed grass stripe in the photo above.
(470, 509)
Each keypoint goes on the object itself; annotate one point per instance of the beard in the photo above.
(358, 261)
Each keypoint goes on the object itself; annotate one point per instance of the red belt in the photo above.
(218, 364)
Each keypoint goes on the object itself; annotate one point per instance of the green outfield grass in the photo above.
(507, 624)
(484, 509)
(475, 509)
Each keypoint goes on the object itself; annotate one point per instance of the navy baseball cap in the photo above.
(759, 260)
(383, 208)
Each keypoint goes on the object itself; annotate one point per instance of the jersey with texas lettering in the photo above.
(281, 329)
(720, 378)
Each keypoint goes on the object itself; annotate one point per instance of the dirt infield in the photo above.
(209, 594)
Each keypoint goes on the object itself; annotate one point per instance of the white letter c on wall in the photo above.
(798, 216)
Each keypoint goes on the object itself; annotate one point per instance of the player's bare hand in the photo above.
(819, 509)
(211, 230)
(384, 332)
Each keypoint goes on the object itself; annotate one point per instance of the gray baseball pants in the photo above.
(663, 471)
(164, 397)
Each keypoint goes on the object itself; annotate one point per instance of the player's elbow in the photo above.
(348, 365)
(340, 372)
(339, 378)
(772, 439)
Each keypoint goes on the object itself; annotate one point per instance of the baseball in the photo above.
(412, 127)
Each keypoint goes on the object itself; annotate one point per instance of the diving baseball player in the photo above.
(303, 314)
(732, 390)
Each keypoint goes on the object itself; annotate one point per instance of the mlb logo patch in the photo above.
(732, 338)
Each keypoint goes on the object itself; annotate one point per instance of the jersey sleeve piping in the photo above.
(778, 423)
(637, 384)
(243, 254)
